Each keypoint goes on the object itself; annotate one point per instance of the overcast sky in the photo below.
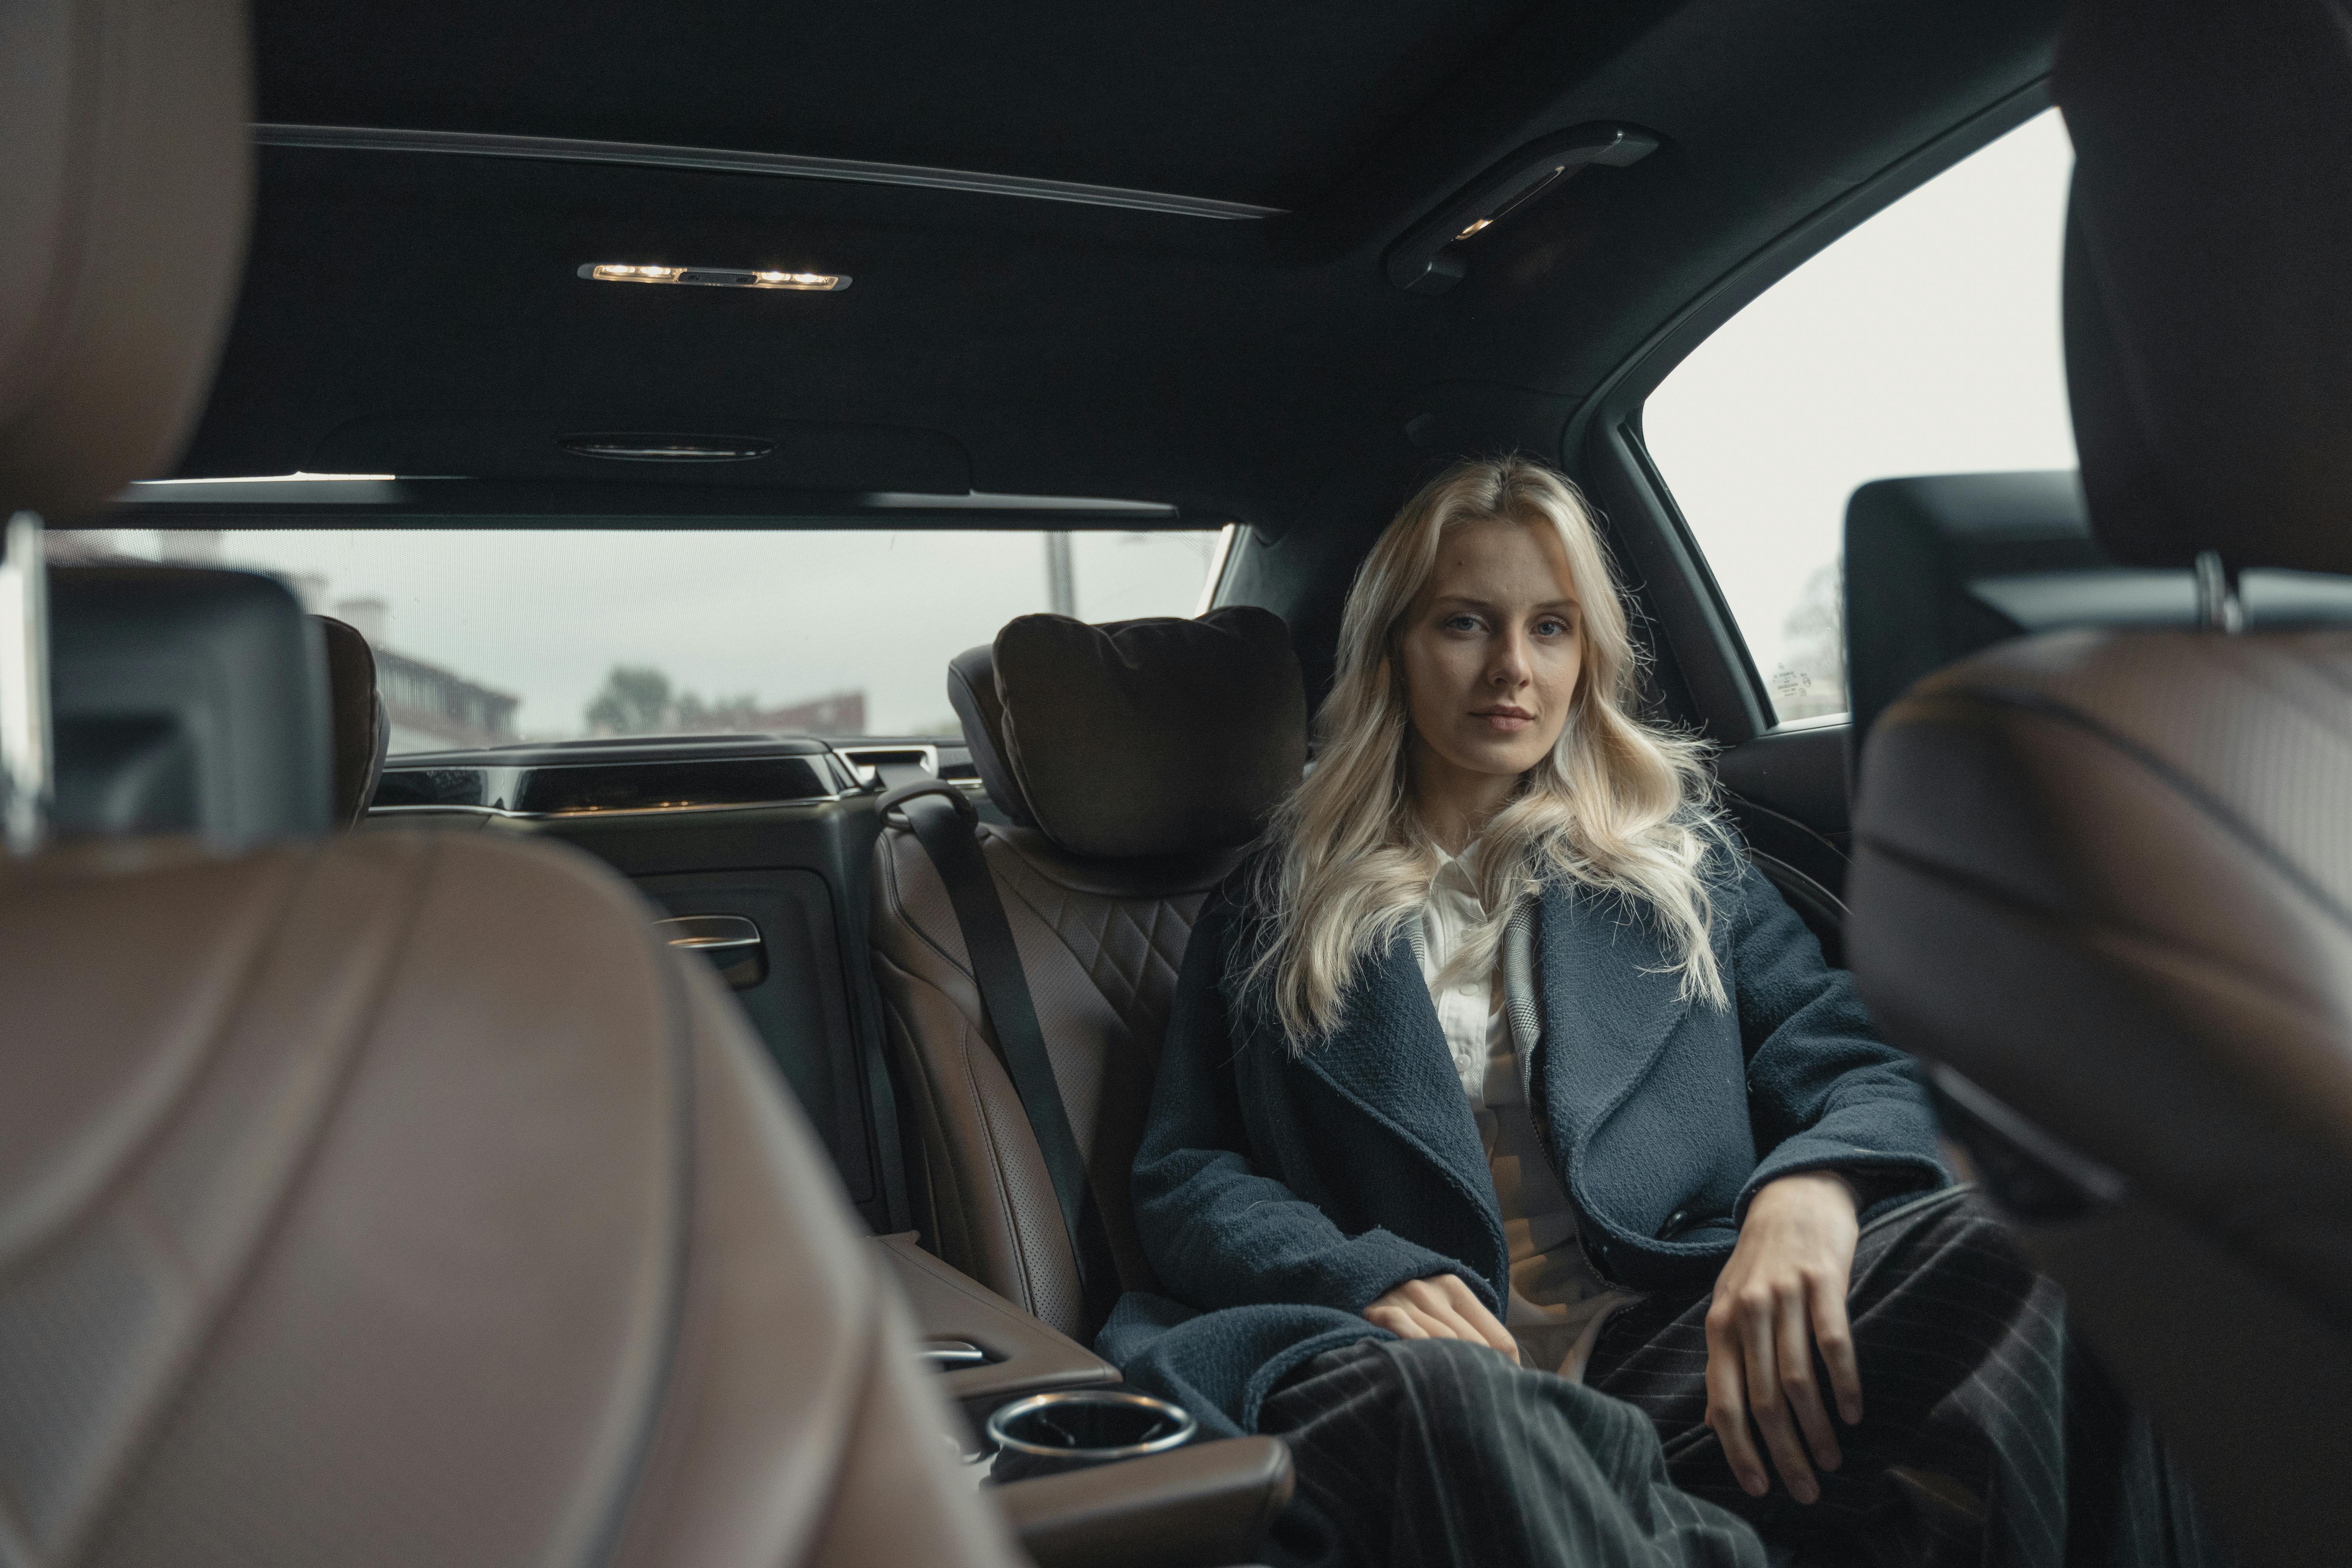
(1925, 342)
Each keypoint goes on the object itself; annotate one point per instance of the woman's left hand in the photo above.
(1781, 1294)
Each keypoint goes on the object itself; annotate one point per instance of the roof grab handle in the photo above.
(1430, 258)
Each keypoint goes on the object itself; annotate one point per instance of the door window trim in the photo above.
(1604, 440)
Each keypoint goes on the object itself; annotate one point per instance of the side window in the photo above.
(1925, 342)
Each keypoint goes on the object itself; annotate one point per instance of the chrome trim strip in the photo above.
(986, 501)
(607, 811)
(27, 758)
(1182, 1423)
(866, 773)
(1215, 578)
(713, 943)
(721, 161)
(701, 932)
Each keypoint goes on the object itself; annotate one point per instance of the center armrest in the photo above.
(1195, 1507)
(1025, 1355)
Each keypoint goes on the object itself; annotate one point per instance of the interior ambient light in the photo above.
(1474, 227)
(714, 276)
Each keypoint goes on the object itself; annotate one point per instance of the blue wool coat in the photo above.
(1278, 1196)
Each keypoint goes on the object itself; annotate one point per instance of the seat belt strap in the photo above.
(944, 824)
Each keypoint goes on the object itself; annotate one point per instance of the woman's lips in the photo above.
(1509, 720)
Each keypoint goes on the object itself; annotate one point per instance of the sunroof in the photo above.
(1269, 105)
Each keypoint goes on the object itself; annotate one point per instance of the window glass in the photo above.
(486, 637)
(1925, 342)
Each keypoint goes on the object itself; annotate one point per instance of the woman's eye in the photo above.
(1552, 627)
(1461, 623)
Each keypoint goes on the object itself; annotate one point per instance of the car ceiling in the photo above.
(420, 312)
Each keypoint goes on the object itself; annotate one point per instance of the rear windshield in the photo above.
(486, 637)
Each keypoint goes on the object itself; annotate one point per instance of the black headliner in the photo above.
(1026, 346)
(1252, 102)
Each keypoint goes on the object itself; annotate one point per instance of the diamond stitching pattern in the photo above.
(1129, 948)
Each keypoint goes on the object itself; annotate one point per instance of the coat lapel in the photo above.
(1609, 1003)
(1389, 1061)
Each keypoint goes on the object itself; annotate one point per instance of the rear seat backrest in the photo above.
(1134, 763)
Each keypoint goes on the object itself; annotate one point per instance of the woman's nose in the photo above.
(1509, 667)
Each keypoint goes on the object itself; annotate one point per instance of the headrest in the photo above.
(1137, 738)
(2209, 327)
(1939, 567)
(126, 176)
(187, 700)
(355, 710)
(1915, 550)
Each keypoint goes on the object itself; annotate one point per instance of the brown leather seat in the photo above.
(1133, 762)
(376, 1199)
(360, 730)
(2105, 879)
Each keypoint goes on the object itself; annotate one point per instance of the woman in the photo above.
(1501, 1082)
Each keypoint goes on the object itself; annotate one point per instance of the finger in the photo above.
(1439, 1312)
(1398, 1320)
(1426, 1302)
(1727, 1403)
(1451, 1324)
(1834, 1334)
(1466, 1305)
(1768, 1403)
(1795, 1348)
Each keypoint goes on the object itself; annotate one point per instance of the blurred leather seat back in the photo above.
(1133, 762)
(381, 1199)
(2103, 881)
(407, 1200)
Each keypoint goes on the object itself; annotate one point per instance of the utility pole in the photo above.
(1061, 580)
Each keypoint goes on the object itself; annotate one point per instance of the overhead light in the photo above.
(1424, 260)
(714, 276)
(668, 448)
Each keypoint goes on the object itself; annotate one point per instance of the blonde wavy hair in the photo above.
(1620, 807)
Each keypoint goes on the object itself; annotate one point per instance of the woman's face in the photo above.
(1491, 650)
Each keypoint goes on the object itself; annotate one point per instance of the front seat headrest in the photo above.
(356, 709)
(2209, 327)
(187, 700)
(124, 199)
(1137, 738)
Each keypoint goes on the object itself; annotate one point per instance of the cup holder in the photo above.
(1049, 1433)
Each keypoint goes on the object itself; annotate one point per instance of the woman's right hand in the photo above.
(1440, 1308)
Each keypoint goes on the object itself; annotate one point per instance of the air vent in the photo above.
(683, 784)
(670, 787)
(431, 786)
(658, 448)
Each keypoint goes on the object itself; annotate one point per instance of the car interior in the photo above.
(444, 1138)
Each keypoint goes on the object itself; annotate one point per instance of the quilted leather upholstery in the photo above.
(1100, 940)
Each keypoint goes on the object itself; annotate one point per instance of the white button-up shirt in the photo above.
(1558, 1304)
